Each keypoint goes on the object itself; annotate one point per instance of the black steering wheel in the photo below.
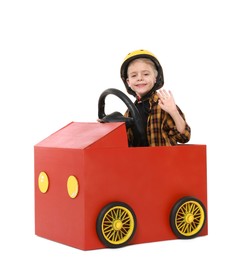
(134, 122)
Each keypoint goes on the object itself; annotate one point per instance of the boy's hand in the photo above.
(166, 101)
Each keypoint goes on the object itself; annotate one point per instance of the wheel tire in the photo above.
(188, 217)
(116, 224)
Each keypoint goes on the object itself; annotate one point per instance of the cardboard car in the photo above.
(92, 190)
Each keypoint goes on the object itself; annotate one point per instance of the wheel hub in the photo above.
(189, 218)
(117, 224)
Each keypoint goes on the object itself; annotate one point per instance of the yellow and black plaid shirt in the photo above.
(161, 129)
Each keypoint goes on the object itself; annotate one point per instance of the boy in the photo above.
(163, 120)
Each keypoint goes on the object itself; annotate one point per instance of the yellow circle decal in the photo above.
(43, 182)
(72, 186)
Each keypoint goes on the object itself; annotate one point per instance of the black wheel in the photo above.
(188, 217)
(116, 224)
(135, 121)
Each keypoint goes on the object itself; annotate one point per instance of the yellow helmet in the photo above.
(141, 54)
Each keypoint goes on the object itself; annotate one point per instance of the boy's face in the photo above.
(141, 77)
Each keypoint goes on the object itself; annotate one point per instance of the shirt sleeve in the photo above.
(174, 135)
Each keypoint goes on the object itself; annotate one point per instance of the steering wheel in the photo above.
(134, 122)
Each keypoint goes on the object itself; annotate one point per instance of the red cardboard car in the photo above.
(94, 191)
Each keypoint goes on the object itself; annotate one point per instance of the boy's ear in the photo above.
(127, 81)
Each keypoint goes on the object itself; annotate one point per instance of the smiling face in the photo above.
(142, 76)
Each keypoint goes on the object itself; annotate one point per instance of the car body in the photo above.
(86, 175)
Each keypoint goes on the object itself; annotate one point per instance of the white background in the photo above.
(56, 57)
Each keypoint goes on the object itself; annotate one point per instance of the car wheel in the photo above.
(188, 217)
(116, 224)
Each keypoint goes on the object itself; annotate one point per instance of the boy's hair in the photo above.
(147, 61)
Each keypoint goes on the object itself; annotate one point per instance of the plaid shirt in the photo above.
(161, 129)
